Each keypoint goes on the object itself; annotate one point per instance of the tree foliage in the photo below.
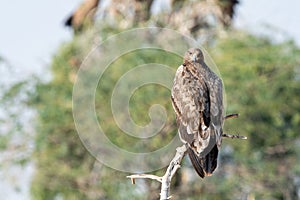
(262, 84)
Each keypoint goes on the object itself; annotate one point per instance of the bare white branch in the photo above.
(149, 176)
(166, 179)
(171, 170)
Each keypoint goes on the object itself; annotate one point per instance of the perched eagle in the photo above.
(198, 103)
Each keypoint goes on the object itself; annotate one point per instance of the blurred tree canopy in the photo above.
(262, 84)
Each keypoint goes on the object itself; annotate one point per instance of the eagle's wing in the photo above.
(216, 102)
(191, 102)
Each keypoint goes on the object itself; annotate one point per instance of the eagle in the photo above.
(197, 99)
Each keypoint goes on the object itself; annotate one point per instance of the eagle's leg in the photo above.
(231, 116)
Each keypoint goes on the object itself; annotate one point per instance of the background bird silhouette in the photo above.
(83, 16)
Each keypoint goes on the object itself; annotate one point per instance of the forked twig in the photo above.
(230, 116)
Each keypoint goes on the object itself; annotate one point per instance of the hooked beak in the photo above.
(194, 57)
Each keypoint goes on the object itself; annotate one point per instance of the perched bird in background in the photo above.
(83, 15)
(142, 10)
(197, 98)
(228, 10)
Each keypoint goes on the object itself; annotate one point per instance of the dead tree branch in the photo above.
(171, 170)
(143, 176)
(166, 179)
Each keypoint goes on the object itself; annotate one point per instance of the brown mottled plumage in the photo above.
(197, 99)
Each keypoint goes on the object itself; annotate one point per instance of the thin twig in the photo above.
(234, 136)
(230, 116)
(149, 176)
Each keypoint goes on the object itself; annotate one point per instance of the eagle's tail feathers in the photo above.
(204, 166)
(196, 162)
(211, 160)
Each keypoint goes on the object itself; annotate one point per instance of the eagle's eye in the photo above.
(190, 53)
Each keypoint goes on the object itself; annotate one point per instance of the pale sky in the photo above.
(31, 31)
(282, 15)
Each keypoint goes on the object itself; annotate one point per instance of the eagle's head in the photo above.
(193, 55)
